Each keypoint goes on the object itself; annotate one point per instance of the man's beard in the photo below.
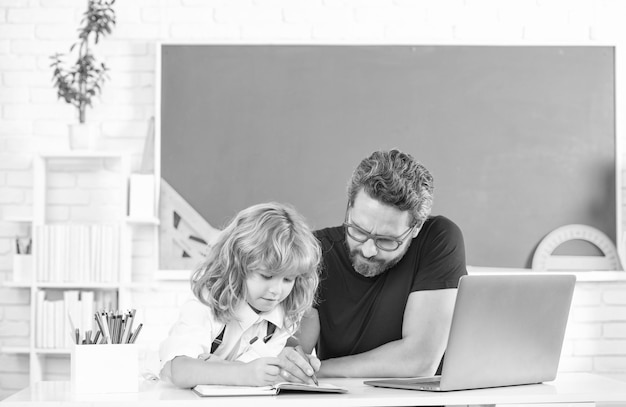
(372, 267)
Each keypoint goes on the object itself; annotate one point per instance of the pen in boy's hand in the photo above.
(301, 352)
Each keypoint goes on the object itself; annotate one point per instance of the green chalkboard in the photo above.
(520, 139)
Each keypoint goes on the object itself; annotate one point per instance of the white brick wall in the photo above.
(596, 332)
(32, 120)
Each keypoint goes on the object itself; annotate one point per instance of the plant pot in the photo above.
(83, 136)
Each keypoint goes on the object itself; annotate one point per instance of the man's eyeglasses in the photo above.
(386, 243)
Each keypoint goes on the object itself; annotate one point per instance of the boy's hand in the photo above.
(296, 367)
(261, 372)
(206, 356)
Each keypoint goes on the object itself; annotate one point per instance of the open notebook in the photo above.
(218, 390)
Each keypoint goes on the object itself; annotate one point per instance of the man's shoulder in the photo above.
(440, 223)
(330, 234)
(439, 230)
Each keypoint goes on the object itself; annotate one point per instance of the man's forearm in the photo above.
(309, 331)
(394, 359)
(418, 353)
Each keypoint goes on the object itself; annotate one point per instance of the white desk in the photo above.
(568, 388)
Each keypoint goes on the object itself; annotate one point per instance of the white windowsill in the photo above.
(581, 276)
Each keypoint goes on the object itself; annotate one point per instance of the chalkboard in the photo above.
(520, 139)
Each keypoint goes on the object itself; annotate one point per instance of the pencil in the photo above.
(134, 337)
(105, 326)
(301, 352)
(297, 348)
(129, 326)
(100, 328)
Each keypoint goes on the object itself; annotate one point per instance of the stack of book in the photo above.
(77, 252)
(57, 311)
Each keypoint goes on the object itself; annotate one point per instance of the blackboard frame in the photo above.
(619, 118)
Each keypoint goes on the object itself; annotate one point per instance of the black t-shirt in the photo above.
(360, 313)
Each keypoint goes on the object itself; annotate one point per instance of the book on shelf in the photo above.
(77, 252)
(39, 329)
(213, 390)
(72, 308)
(54, 309)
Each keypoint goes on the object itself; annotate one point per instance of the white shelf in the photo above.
(83, 154)
(120, 291)
(19, 219)
(581, 276)
(15, 349)
(45, 351)
(76, 285)
(41, 351)
(25, 350)
(90, 285)
(16, 284)
(70, 286)
(143, 221)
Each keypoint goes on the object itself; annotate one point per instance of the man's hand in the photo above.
(297, 368)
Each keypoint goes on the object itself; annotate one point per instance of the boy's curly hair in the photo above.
(268, 236)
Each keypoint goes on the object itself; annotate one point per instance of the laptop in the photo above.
(506, 330)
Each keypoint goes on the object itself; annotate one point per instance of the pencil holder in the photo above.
(104, 369)
(22, 268)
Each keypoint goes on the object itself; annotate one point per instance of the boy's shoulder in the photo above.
(193, 304)
(194, 311)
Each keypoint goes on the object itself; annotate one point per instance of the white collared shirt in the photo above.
(197, 328)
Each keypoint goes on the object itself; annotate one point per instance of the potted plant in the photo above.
(79, 83)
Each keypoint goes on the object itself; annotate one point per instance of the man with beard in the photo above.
(388, 279)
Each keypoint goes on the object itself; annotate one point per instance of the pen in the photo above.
(298, 349)
(251, 342)
(129, 326)
(100, 328)
(116, 328)
(113, 328)
(301, 352)
(121, 323)
(110, 329)
(123, 328)
(105, 325)
(134, 337)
